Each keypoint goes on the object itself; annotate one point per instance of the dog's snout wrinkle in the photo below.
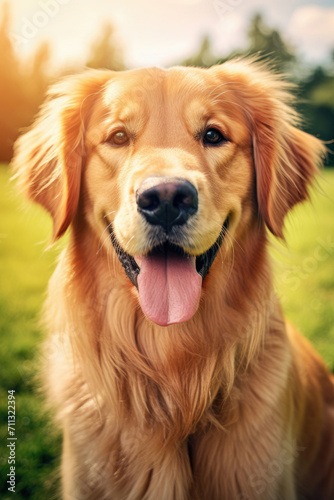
(167, 201)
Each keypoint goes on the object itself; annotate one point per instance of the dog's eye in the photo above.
(214, 137)
(118, 138)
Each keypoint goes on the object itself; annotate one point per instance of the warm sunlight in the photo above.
(163, 228)
(165, 32)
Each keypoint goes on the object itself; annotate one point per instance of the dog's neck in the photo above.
(172, 377)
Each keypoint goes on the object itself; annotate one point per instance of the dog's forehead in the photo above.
(173, 98)
(144, 88)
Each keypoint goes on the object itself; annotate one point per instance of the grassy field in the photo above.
(304, 281)
(24, 269)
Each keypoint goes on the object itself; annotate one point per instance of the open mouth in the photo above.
(169, 280)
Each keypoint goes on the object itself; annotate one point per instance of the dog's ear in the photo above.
(48, 157)
(286, 159)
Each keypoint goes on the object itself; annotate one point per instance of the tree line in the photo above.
(24, 82)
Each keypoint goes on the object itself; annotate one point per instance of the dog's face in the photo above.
(168, 172)
(173, 164)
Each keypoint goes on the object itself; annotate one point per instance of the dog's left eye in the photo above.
(118, 138)
(214, 137)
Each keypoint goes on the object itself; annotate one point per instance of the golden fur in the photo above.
(232, 404)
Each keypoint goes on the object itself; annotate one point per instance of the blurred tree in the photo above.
(10, 90)
(38, 74)
(204, 57)
(40, 61)
(21, 88)
(266, 42)
(316, 104)
(332, 57)
(106, 52)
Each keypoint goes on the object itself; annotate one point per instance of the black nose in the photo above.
(167, 201)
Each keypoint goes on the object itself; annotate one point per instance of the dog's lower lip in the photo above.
(203, 262)
(128, 262)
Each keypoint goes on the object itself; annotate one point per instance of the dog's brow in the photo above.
(129, 112)
(116, 96)
(122, 109)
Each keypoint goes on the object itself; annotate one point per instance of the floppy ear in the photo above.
(48, 157)
(285, 158)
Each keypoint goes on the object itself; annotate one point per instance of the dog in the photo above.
(174, 373)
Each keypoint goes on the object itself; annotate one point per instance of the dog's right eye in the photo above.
(119, 138)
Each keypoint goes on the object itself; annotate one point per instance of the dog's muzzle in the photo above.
(169, 280)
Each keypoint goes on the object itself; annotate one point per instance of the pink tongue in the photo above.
(169, 288)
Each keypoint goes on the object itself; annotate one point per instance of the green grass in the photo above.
(305, 268)
(304, 282)
(24, 270)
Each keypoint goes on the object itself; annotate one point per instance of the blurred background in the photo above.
(43, 40)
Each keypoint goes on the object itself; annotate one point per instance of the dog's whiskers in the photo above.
(109, 213)
(229, 239)
(101, 245)
(129, 241)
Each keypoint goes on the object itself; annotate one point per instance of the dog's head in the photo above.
(173, 164)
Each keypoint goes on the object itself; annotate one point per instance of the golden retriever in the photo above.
(175, 375)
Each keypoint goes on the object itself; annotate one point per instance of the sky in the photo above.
(160, 33)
